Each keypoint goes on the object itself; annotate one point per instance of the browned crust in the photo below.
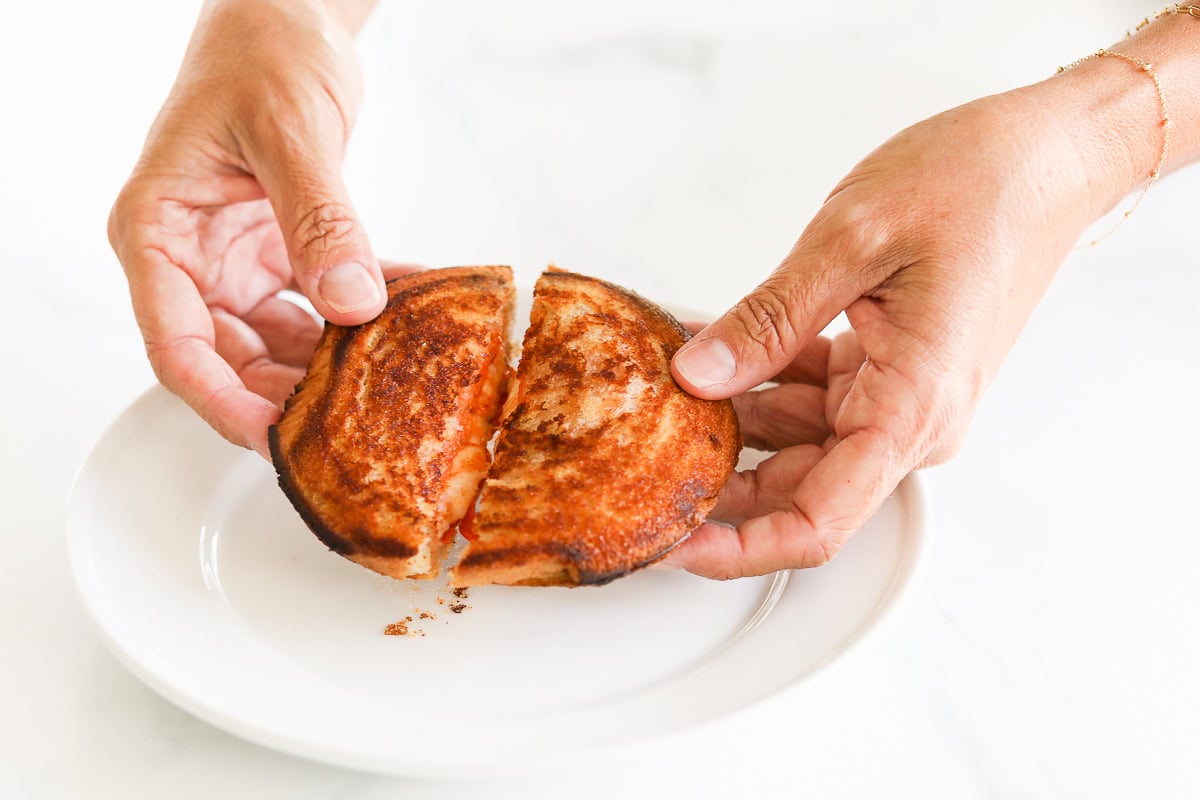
(363, 450)
(604, 463)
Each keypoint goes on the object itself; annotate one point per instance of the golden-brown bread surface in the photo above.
(383, 444)
(603, 462)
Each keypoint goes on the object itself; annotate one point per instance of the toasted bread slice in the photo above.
(603, 462)
(384, 443)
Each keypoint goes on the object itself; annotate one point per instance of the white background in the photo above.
(1051, 649)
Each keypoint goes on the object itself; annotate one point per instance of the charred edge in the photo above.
(403, 285)
(404, 288)
(276, 449)
(572, 557)
(602, 578)
(363, 543)
(290, 490)
(661, 554)
(283, 468)
(696, 516)
(342, 339)
(633, 297)
(564, 555)
(369, 545)
(475, 558)
(400, 289)
(693, 505)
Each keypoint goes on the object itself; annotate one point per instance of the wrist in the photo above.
(1110, 111)
(350, 14)
(340, 17)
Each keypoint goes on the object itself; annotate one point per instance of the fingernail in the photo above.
(706, 363)
(348, 287)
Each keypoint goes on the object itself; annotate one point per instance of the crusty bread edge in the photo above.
(637, 299)
(547, 567)
(554, 564)
(426, 561)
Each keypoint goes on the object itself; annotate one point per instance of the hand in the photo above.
(238, 195)
(937, 246)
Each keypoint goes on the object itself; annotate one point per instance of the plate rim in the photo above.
(896, 594)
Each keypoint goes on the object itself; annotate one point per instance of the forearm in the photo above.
(264, 61)
(352, 14)
(1111, 110)
(349, 15)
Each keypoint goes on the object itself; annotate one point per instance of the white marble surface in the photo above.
(1051, 649)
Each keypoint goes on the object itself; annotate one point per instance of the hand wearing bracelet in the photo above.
(937, 247)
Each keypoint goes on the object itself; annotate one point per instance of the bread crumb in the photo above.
(441, 601)
(458, 608)
(460, 592)
(396, 629)
(427, 615)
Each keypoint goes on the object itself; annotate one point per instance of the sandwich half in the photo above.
(603, 463)
(383, 445)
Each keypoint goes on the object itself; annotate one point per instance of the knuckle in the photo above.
(158, 363)
(725, 572)
(764, 318)
(822, 551)
(949, 444)
(322, 228)
(289, 113)
(158, 353)
(851, 234)
(812, 541)
(280, 122)
(122, 212)
(115, 214)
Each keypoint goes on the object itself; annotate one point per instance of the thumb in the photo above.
(825, 272)
(326, 243)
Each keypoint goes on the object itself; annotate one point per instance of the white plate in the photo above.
(209, 588)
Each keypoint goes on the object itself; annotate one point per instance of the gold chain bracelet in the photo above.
(1148, 69)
